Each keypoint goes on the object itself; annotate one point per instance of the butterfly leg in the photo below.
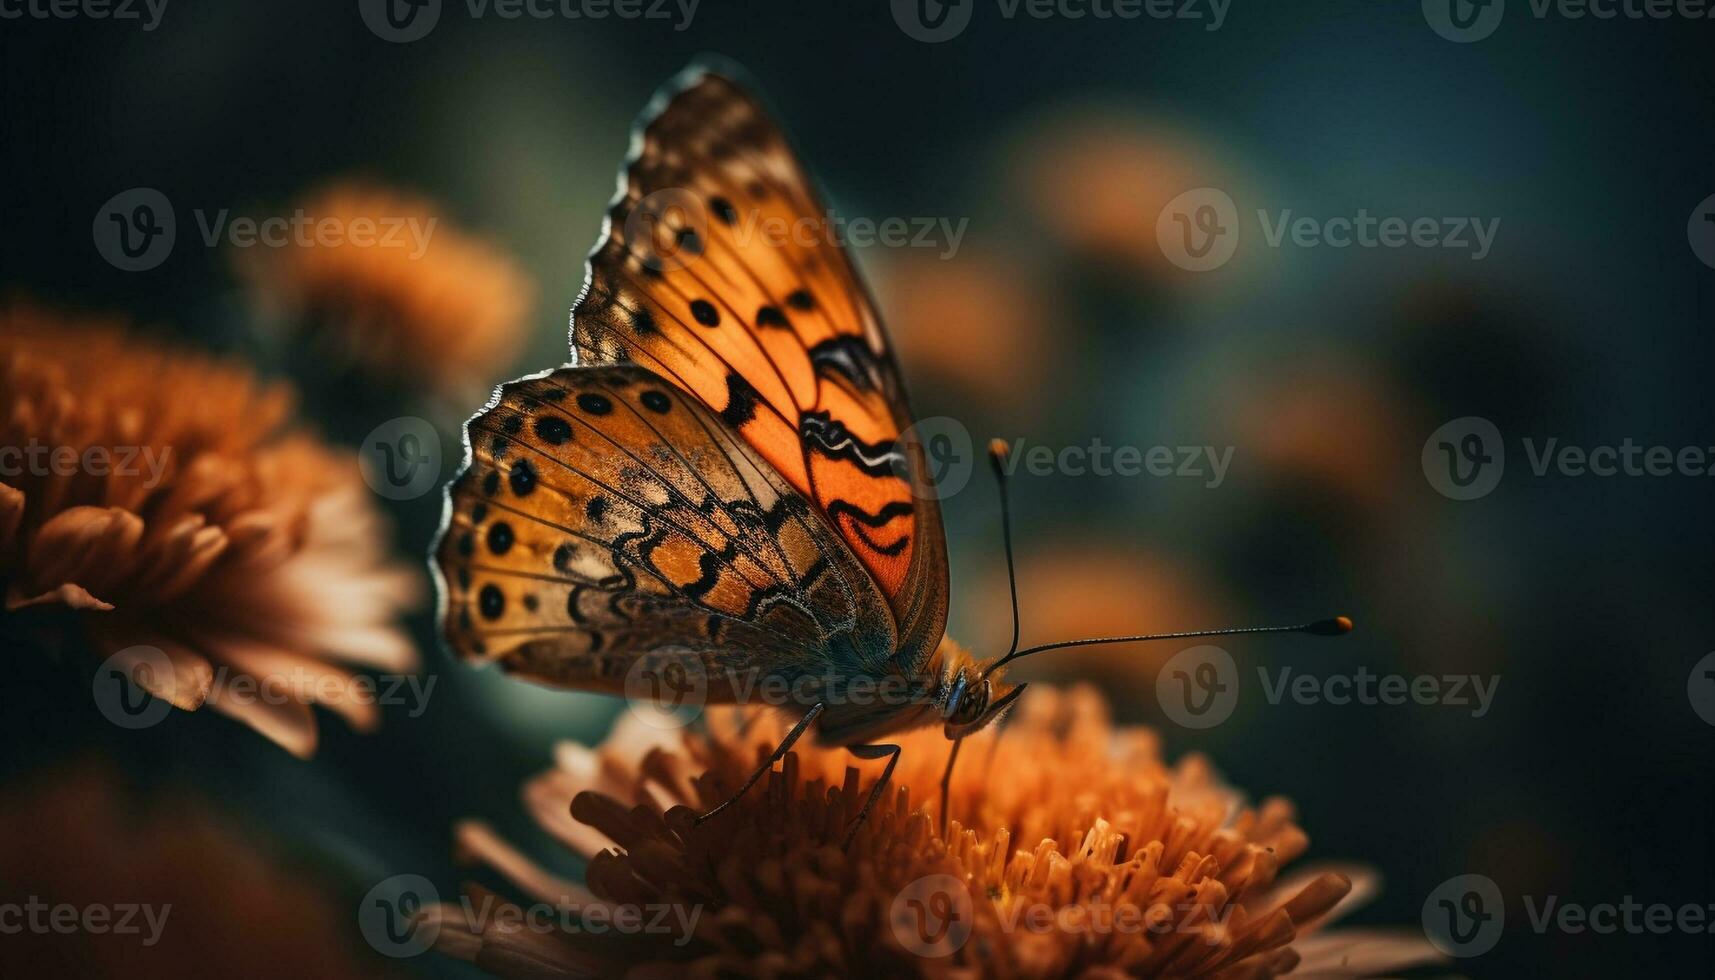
(768, 764)
(872, 752)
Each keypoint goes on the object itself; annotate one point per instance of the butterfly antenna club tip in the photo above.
(1337, 626)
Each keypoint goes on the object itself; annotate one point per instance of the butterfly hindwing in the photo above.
(720, 272)
(604, 514)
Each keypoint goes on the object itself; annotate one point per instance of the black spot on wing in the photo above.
(741, 400)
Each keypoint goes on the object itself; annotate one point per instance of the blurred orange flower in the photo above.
(1086, 588)
(978, 320)
(1097, 179)
(397, 291)
(1073, 850)
(154, 888)
(1329, 423)
(155, 503)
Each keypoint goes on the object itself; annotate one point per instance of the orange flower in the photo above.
(395, 290)
(154, 503)
(1073, 850)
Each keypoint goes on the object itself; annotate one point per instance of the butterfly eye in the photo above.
(955, 700)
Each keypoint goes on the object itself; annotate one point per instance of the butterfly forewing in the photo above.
(604, 514)
(722, 273)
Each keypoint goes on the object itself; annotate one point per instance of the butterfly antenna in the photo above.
(997, 459)
(1337, 626)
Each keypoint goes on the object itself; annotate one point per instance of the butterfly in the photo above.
(725, 481)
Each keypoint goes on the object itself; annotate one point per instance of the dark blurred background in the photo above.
(1057, 320)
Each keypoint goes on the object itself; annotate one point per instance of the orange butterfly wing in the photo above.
(603, 514)
(718, 272)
